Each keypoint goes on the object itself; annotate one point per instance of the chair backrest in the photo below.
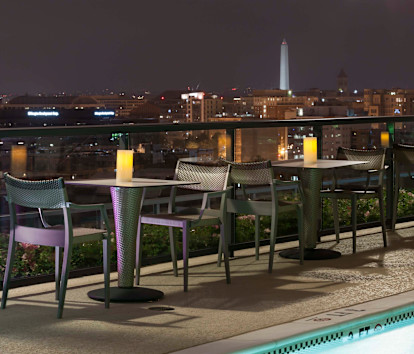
(403, 154)
(212, 177)
(45, 194)
(375, 158)
(251, 173)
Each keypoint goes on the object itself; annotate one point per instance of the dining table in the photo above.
(310, 174)
(126, 203)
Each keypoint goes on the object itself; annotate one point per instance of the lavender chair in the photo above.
(213, 185)
(51, 194)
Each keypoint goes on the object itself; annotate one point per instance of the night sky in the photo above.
(133, 45)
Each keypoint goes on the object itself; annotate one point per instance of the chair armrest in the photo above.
(286, 183)
(85, 206)
(91, 207)
(297, 184)
(209, 195)
(378, 171)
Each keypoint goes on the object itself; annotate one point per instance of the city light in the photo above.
(43, 114)
(103, 113)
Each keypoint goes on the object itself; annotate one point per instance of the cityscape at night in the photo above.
(240, 171)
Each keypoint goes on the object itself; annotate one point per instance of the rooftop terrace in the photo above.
(211, 310)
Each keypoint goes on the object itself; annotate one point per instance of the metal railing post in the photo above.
(317, 131)
(124, 141)
(230, 149)
(390, 178)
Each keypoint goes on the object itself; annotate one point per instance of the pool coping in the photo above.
(347, 323)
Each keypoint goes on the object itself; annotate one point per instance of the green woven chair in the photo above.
(366, 187)
(403, 160)
(213, 184)
(249, 174)
(51, 194)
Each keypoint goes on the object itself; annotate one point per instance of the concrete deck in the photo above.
(211, 310)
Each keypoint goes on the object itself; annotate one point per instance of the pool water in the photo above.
(390, 332)
(395, 341)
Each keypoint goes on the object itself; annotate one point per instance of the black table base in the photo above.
(310, 254)
(136, 294)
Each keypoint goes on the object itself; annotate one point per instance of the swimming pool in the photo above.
(385, 332)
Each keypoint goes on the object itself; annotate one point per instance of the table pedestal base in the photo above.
(310, 254)
(135, 294)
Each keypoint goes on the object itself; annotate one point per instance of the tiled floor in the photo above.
(212, 311)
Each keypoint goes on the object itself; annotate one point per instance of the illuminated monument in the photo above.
(284, 66)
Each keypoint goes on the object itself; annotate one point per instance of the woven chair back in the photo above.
(404, 154)
(211, 177)
(250, 173)
(375, 158)
(45, 194)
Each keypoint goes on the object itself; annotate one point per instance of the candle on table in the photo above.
(124, 165)
(310, 147)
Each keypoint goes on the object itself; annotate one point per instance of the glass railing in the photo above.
(90, 152)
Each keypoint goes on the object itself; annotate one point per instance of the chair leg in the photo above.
(106, 244)
(256, 235)
(7, 273)
(227, 235)
(354, 221)
(301, 234)
(185, 254)
(336, 217)
(173, 248)
(226, 252)
(396, 195)
(138, 254)
(273, 233)
(57, 272)
(220, 253)
(382, 215)
(67, 254)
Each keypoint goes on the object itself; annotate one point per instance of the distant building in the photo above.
(272, 104)
(121, 104)
(241, 106)
(52, 102)
(384, 102)
(146, 110)
(171, 105)
(60, 110)
(199, 107)
(342, 82)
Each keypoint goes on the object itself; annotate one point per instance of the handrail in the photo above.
(160, 127)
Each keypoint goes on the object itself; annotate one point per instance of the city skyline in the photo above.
(80, 46)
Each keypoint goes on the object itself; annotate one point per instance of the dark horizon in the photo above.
(80, 46)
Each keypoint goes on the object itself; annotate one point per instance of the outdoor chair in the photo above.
(48, 195)
(403, 159)
(366, 183)
(213, 185)
(259, 174)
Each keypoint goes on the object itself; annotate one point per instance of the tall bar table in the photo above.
(126, 202)
(311, 178)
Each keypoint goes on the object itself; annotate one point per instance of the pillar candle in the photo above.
(310, 150)
(124, 165)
